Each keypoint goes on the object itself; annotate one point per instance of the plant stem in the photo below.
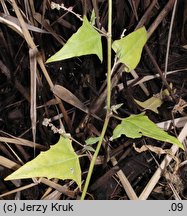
(109, 54)
(117, 117)
(108, 113)
(94, 158)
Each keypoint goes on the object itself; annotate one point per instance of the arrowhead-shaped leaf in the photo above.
(136, 126)
(129, 48)
(84, 42)
(60, 161)
(152, 103)
(92, 140)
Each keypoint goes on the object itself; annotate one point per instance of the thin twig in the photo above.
(160, 72)
(146, 14)
(160, 17)
(169, 38)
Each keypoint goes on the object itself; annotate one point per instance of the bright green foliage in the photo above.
(84, 42)
(92, 140)
(93, 17)
(89, 148)
(60, 161)
(136, 126)
(129, 48)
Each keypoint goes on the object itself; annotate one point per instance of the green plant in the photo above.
(60, 161)
(87, 40)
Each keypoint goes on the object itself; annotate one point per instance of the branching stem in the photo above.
(108, 113)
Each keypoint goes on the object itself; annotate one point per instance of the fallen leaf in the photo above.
(69, 97)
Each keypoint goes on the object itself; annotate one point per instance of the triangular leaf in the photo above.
(84, 42)
(89, 148)
(129, 48)
(60, 161)
(114, 108)
(152, 103)
(136, 126)
(92, 140)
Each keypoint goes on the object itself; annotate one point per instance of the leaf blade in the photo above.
(60, 161)
(84, 42)
(92, 140)
(136, 126)
(152, 104)
(129, 48)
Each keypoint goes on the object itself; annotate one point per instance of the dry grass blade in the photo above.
(146, 14)
(40, 61)
(143, 87)
(96, 9)
(169, 38)
(46, 25)
(155, 178)
(33, 114)
(5, 9)
(11, 165)
(31, 8)
(13, 23)
(60, 188)
(147, 78)
(150, 77)
(55, 195)
(49, 190)
(126, 184)
(18, 189)
(133, 6)
(165, 82)
(178, 122)
(23, 142)
(160, 17)
(8, 163)
(68, 97)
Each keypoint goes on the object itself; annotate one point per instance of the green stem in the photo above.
(117, 117)
(94, 158)
(109, 54)
(109, 43)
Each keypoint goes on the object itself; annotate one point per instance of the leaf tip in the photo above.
(49, 60)
(9, 177)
